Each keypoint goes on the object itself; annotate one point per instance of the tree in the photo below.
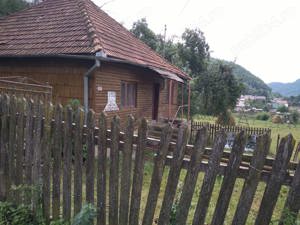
(283, 109)
(141, 30)
(193, 52)
(217, 90)
(10, 6)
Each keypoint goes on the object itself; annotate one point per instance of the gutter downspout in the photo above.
(86, 77)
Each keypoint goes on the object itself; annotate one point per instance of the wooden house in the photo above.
(84, 54)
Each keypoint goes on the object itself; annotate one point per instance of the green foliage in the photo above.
(216, 90)
(75, 103)
(263, 116)
(85, 216)
(141, 30)
(282, 109)
(294, 100)
(10, 6)
(289, 218)
(295, 116)
(11, 214)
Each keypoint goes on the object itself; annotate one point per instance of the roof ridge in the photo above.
(95, 41)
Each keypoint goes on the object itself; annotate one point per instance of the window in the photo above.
(128, 94)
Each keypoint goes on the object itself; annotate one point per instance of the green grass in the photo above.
(277, 129)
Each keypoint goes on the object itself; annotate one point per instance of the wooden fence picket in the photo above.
(29, 143)
(57, 160)
(90, 160)
(159, 164)
(113, 174)
(12, 139)
(173, 177)
(292, 203)
(46, 158)
(101, 179)
(138, 174)
(209, 179)
(251, 183)
(279, 172)
(126, 172)
(229, 179)
(4, 148)
(78, 159)
(20, 145)
(67, 163)
(191, 177)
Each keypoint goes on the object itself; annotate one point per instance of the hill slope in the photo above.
(253, 84)
(286, 89)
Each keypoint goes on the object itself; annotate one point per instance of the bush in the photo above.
(263, 116)
(282, 109)
(276, 119)
(226, 119)
(295, 116)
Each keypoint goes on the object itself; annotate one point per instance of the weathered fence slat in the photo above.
(67, 161)
(292, 203)
(101, 180)
(12, 139)
(229, 179)
(90, 160)
(20, 145)
(138, 174)
(4, 148)
(251, 183)
(191, 177)
(159, 164)
(78, 159)
(126, 172)
(29, 143)
(46, 158)
(279, 171)
(57, 159)
(173, 176)
(114, 170)
(209, 178)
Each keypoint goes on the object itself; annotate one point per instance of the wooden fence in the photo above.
(45, 147)
(213, 129)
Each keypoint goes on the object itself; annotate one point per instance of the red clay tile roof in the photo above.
(73, 27)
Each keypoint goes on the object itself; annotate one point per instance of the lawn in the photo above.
(277, 129)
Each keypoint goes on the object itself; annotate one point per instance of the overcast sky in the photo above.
(261, 35)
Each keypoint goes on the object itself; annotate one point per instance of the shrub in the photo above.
(295, 116)
(263, 116)
(276, 119)
(282, 109)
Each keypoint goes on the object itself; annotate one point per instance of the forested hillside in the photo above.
(252, 84)
(286, 89)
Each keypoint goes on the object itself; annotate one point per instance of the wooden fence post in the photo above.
(159, 164)
(279, 171)
(173, 176)
(90, 161)
(67, 161)
(229, 179)
(114, 172)
(101, 180)
(4, 148)
(209, 178)
(126, 172)
(12, 140)
(191, 177)
(138, 173)
(57, 152)
(78, 159)
(46, 158)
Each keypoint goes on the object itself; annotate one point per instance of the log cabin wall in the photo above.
(66, 78)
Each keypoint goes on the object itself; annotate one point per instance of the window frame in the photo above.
(125, 101)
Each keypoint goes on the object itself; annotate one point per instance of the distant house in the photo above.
(278, 102)
(243, 102)
(85, 54)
